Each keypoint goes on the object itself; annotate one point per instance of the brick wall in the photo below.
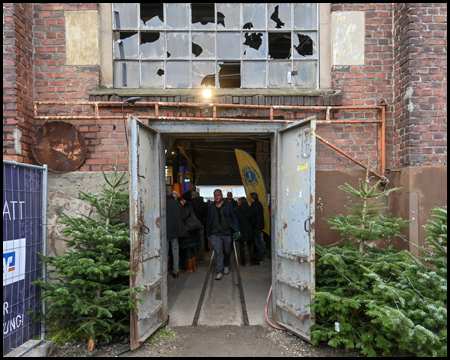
(405, 63)
(420, 84)
(371, 83)
(18, 78)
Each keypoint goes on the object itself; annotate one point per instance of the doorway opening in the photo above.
(206, 162)
(291, 185)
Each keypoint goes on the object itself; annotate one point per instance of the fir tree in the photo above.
(366, 222)
(89, 294)
(382, 300)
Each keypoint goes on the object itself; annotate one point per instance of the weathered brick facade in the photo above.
(405, 69)
(420, 84)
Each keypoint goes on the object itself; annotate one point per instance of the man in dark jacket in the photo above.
(258, 225)
(220, 224)
(245, 217)
(175, 227)
(231, 200)
(201, 210)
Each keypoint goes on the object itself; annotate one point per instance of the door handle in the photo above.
(308, 219)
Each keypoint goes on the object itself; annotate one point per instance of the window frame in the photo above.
(322, 57)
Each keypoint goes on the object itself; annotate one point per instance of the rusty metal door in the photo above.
(293, 277)
(147, 229)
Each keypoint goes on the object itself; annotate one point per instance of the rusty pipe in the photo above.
(382, 177)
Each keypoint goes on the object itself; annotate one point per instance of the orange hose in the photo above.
(267, 313)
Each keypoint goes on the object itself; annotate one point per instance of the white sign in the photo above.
(14, 255)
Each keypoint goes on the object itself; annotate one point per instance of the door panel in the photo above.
(147, 229)
(294, 277)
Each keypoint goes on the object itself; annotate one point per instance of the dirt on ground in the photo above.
(206, 341)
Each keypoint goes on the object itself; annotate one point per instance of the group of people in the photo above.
(219, 223)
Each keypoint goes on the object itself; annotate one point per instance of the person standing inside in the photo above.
(220, 224)
(231, 200)
(245, 217)
(175, 227)
(191, 240)
(258, 225)
(200, 210)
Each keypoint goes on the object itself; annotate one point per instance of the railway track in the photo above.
(209, 284)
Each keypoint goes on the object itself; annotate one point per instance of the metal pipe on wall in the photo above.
(380, 121)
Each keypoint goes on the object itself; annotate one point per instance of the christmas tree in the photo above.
(89, 295)
(366, 222)
(380, 300)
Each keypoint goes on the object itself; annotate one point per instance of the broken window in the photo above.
(229, 75)
(254, 45)
(279, 16)
(228, 16)
(280, 45)
(203, 16)
(126, 45)
(152, 74)
(152, 15)
(203, 74)
(304, 45)
(193, 45)
(178, 45)
(203, 45)
(254, 16)
(152, 45)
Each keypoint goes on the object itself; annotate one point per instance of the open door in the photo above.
(293, 277)
(147, 229)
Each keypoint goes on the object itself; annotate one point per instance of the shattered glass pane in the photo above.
(203, 45)
(228, 16)
(254, 16)
(307, 75)
(125, 16)
(177, 15)
(228, 45)
(177, 74)
(203, 74)
(280, 45)
(178, 45)
(305, 45)
(152, 45)
(126, 74)
(279, 16)
(305, 16)
(278, 71)
(203, 16)
(254, 74)
(152, 74)
(254, 45)
(126, 45)
(229, 75)
(152, 15)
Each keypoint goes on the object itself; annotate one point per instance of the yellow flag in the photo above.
(253, 181)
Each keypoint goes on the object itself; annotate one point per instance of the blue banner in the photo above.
(22, 240)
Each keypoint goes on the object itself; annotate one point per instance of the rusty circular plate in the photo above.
(59, 145)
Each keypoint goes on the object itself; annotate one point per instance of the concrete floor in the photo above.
(221, 303)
